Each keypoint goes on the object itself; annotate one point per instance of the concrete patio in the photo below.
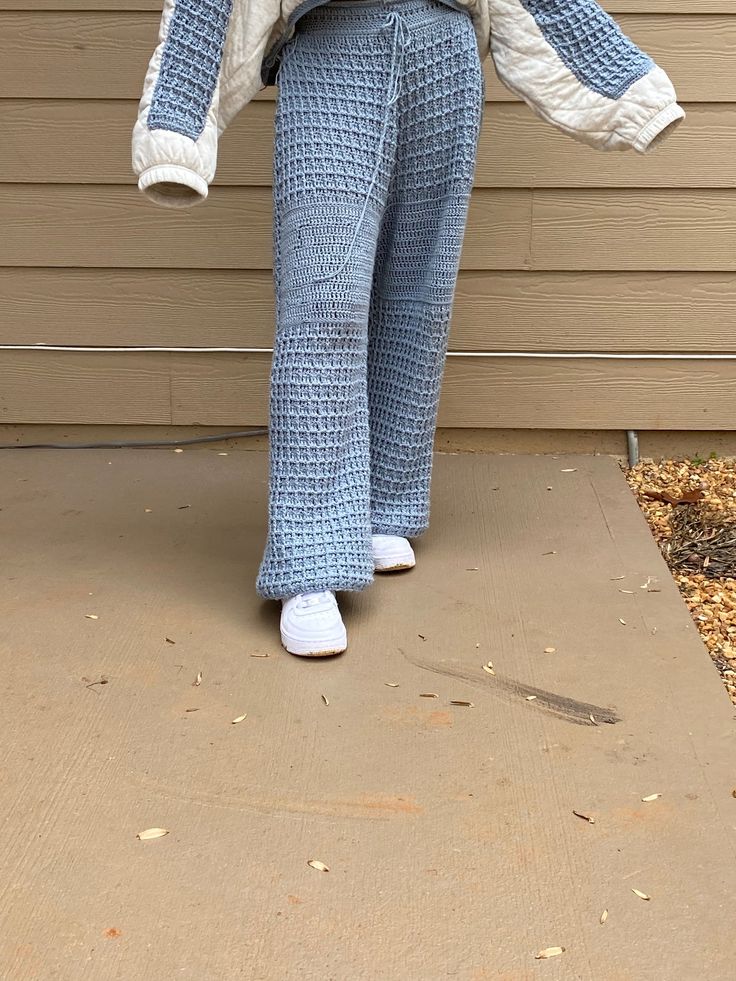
(448, 829)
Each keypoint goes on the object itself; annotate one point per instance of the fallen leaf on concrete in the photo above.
(650, 797)
(198, 680)
(239, 719)
(549, 952)
(152, 833)
(641, 895)
(316, 864)
(604, 916)
(585, 817)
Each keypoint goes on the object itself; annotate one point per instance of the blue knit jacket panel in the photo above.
(190, 66)
(590, 44)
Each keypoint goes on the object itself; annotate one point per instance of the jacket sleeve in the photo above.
(174, 141)
(572, 64)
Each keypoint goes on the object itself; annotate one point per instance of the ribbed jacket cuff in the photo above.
(654, 131)
(189, 189)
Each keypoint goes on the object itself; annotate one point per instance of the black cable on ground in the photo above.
(134, 444)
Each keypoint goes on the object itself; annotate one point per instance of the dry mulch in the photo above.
(691, 508)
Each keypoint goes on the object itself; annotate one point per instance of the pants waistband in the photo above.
(366, 14)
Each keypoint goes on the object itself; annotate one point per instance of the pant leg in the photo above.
(330, 190)
(441, 108)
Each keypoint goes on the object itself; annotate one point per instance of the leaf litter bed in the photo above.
(691, 508)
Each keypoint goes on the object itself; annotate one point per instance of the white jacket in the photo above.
(567, 59)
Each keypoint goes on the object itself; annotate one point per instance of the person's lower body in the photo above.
(377, 122)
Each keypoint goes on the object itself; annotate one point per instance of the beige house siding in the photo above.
(567, 250)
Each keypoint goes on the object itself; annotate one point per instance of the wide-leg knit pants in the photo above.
(377, 121)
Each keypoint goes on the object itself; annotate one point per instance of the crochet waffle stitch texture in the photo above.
(360, 344)
(190, 66)
(591, 44)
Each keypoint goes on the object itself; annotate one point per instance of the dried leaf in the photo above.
(391, 684)
(152, 833)
(549, 952)
(239, 719)
(91, 616)
(316, 864)
(198, 680)
(550, 650)
(488, 669)
(641, 895)
(604, 916)
(530, 698)
(687, 497)
(428, 694)
(592, 719)
(457, 701)
(650, 797)
(585, 817)
(325, 700)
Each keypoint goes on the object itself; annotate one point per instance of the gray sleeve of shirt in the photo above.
(190, 66)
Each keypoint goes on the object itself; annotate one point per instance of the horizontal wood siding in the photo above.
(567, 250)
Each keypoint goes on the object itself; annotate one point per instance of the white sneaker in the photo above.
(311, 625)
(391, 553)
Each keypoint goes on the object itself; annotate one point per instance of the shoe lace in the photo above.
(312, 599)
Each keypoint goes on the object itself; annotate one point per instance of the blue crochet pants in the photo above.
(377, 122)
